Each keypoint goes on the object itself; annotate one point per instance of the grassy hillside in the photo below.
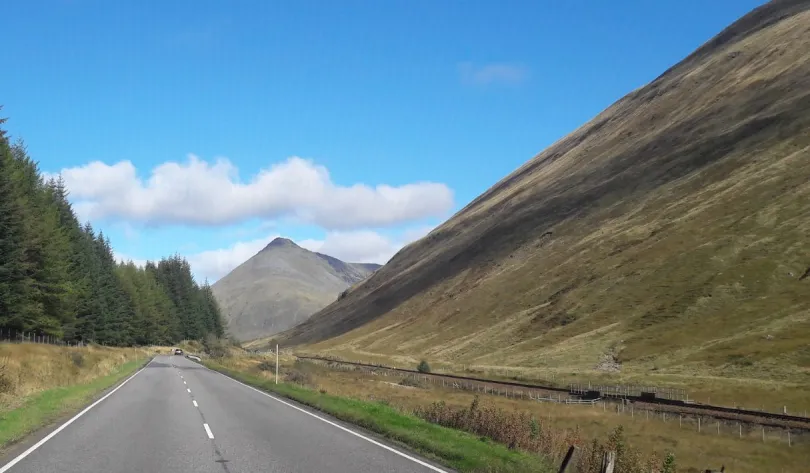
(669, 234)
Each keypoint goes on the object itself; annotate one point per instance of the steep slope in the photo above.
(669, 231)
(281, 286)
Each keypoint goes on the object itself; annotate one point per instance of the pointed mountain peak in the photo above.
(280, 242)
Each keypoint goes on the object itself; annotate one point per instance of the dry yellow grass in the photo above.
(653, 436)
(243, 361)
(744, 392)
(27, 369)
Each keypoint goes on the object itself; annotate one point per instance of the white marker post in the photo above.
(276, 363)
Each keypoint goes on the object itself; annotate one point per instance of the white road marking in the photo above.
(184, 382)
(404, 455)
(187, 389)
(195, 403)
(208, 431)
(24, 454)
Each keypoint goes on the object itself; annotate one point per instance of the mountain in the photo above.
(670, 231)
(281, 286)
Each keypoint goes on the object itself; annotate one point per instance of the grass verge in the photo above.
(49, 405)
(651, 437)
(459, 450)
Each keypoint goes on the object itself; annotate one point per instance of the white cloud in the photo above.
(122, 258)
(354, 247)
(199, 193)
(130, 232)
(413, 234)
(495, 73)
(213, 264)
(363, 246)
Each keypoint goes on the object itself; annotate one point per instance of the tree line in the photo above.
(60, 278)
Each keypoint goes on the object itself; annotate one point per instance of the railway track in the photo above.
(770, 419)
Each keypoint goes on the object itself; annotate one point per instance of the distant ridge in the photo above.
(282, 285)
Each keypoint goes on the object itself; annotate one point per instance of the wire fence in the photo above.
(10, 335)
(702, 423)
(622, 391)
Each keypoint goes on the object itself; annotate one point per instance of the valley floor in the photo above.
(743, 390)
(653, 436)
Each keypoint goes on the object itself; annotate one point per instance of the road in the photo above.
(177, 416)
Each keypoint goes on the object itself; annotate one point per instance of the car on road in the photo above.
(178, 351)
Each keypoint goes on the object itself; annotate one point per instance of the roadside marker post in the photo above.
(276, 363)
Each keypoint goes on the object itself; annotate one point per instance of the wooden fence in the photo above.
(571, 460)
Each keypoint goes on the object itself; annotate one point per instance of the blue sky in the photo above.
(207, 128)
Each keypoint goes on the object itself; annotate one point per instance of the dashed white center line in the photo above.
(208, 431)
(189, 390)
(195, 403)
(184, 382)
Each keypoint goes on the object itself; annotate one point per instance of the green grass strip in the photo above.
(462, 451)
(48, 406)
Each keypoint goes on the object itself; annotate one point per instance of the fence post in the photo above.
(608, 462)
(570, 460)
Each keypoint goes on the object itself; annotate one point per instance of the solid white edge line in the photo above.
(31, 449)
(208, 431)
(413, 459)
(195, 403)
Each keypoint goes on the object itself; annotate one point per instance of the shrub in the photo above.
(413, 382)
(215, 347)
(423, 367)
(6, 385)
(77, 358)
(298, 377)
(518, 430)
(266, 366)
(669, 464)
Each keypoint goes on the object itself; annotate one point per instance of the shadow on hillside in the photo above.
(765, 113)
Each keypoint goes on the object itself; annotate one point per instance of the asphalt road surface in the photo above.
(176, 416)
